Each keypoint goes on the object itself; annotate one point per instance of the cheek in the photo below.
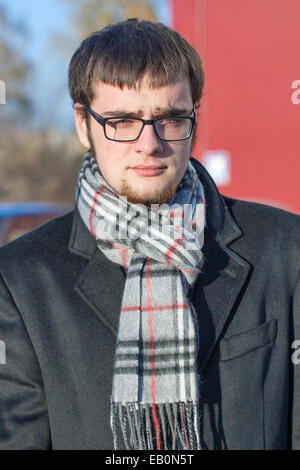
(182, 156)
(112, 151)
(182, 159)
(111, 161)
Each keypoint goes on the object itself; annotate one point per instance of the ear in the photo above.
(81, 127)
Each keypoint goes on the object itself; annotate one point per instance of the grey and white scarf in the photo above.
(155, 402)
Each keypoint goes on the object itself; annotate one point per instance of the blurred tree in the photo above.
(14, 70)
(39, 166)
(29, 158)
(84, 17)
(43, 164)
(91, 15)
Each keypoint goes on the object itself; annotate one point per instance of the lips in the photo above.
(148, 170)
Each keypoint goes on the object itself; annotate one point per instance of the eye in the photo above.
(169, 122)
(122, 122)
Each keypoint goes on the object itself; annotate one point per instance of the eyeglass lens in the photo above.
(129, 129)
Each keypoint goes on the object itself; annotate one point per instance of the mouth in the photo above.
(148, 170)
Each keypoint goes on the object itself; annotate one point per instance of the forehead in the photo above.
(143, 97)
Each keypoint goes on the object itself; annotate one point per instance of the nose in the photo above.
(148, 142)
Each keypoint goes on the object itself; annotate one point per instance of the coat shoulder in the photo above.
(52, 237)
(265, 222)
(262, 213)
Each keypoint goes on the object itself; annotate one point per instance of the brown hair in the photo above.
(124, 53)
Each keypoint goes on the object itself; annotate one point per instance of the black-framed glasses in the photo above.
(129, 129)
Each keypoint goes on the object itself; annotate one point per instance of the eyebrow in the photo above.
(159, 112)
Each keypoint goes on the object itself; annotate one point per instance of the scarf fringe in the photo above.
(164, 426)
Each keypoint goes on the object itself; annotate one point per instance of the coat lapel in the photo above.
(101, 284)
(224, 274)
(215, 294)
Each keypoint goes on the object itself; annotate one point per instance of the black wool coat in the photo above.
(60, 300)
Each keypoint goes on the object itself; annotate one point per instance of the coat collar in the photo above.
(224, 274)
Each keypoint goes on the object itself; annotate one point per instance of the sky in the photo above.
(42, 19)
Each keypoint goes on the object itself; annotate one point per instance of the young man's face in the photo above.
(147, 170)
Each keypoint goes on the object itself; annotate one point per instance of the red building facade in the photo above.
(249, 119)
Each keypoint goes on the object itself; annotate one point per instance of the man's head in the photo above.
(136, 69)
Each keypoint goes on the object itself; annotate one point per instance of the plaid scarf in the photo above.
(155, 402)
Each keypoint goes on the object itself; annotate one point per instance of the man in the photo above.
(159, 314)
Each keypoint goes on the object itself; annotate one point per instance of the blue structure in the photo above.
(15, 209)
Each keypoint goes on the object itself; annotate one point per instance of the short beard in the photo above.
(135, 198)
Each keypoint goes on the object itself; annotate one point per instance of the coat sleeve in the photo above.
(296, 369)
(24, 422)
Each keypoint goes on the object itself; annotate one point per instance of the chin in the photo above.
(157, 195)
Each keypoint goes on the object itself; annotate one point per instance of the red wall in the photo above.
(251, 56)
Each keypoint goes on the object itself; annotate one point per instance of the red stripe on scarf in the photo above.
(199, 218)
(190, 271)
(162, 307)
(171, 249)
(123, 254)
(152, 352)
(97, 194)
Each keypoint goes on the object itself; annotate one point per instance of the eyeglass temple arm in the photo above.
(95, 116)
